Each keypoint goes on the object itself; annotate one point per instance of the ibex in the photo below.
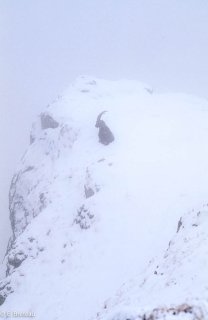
(105, 135)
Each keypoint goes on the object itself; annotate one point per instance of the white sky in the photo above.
(45, 44)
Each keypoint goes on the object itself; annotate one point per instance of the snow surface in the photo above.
(152, 174)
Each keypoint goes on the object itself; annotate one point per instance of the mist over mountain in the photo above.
(46, 44)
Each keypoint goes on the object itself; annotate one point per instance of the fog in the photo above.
(45, 44)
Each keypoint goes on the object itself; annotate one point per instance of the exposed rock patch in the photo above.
(84, 218)
(47, 121)
(88, 192)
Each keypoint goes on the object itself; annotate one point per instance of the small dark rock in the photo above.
(88, 192)
(85, 90)
(17, 259)
(43, 201)
(32, 138)
(2, 299)
(29, 168)
(48, 122)
(179, 225)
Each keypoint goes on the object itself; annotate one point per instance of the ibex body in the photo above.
(105, 135)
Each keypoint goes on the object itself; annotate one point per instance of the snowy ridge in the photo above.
(178, 276)
(88, 217)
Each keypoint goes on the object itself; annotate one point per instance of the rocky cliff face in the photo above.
(31, 185)
(89, 211)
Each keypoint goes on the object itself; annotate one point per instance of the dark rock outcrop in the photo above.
(48, 122)
(2, 299)
(5, 290)
(89, 192)
(17, 259)
(84, 218)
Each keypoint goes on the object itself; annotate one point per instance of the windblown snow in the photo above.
(114, 231)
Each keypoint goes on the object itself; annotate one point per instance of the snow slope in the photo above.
(88, 218)
(178, 279)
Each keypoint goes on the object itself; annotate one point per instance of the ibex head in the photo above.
(98, 122)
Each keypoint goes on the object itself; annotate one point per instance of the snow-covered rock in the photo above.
(179, 275)
(88, 217)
